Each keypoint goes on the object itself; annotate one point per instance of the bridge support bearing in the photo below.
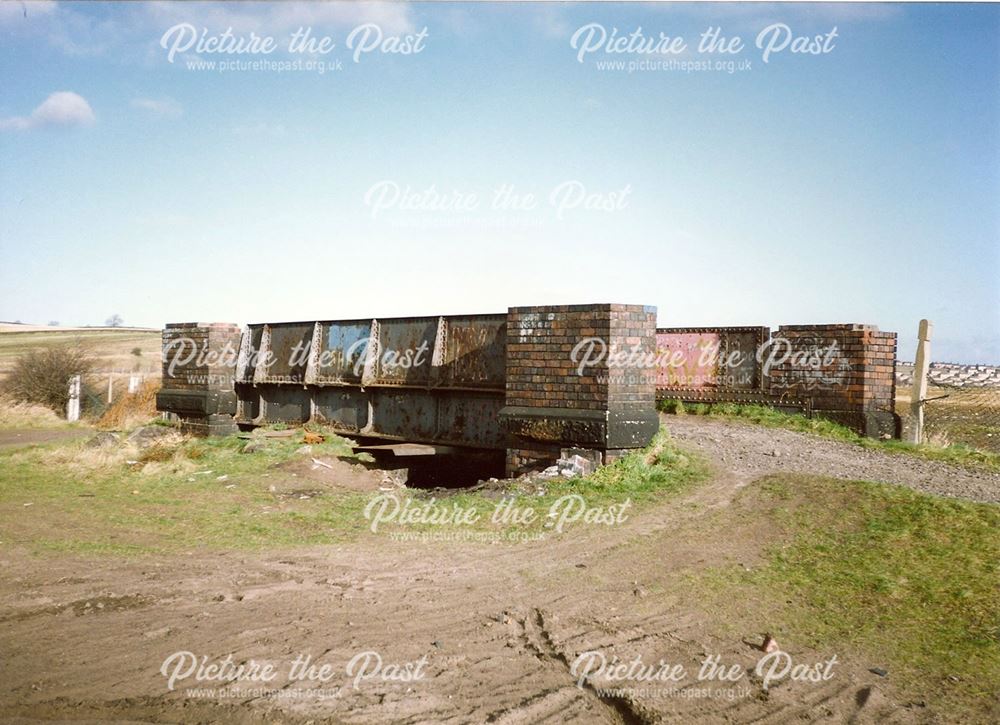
(198, 369)
(578, 377)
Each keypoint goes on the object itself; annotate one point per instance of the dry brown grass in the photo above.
(165, 456)
(84, 459)
(131, 409)
(957, 416)
(28, 415)
(112, 348)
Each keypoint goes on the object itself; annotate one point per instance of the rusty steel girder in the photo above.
(426, 379)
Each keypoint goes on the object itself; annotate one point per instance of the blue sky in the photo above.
(857, 185)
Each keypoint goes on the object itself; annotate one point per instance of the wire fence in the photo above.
(962, 405)
(101, 388)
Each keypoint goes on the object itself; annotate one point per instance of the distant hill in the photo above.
(112, 346)
(22, 327)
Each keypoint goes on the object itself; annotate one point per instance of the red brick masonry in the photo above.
(523, 384)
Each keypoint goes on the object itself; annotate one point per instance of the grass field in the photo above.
(98, 502)
(968, 416)
(120, 500)
(111, 347)
(902, 576)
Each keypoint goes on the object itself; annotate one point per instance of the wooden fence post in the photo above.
(920, 370)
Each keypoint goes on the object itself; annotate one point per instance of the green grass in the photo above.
(769, 417)
(90, 501)
(639, 478)
(956, 454)
(80, 503)
(911, 581)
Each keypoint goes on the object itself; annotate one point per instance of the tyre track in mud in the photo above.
(500, 625)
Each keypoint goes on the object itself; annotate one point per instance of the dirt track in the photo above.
(499, 624)
(756, 451)
(18, 438)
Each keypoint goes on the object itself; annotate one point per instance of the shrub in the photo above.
(42, 376)
(674, 407)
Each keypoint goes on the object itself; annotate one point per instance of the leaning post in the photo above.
(920, 370)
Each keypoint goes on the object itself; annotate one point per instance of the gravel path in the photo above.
(751, 450)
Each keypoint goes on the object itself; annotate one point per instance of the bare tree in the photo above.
(114, 321)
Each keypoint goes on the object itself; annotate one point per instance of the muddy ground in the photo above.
(20, 438)
(498, 625)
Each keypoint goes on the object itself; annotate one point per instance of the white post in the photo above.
(110, 380)
(73, 406)
(920, 370)
(133, 383)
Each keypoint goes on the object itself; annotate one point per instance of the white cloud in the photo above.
(62, 108)
(164, 106)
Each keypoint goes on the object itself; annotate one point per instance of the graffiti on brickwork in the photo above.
(708, 358)
(804, 364)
